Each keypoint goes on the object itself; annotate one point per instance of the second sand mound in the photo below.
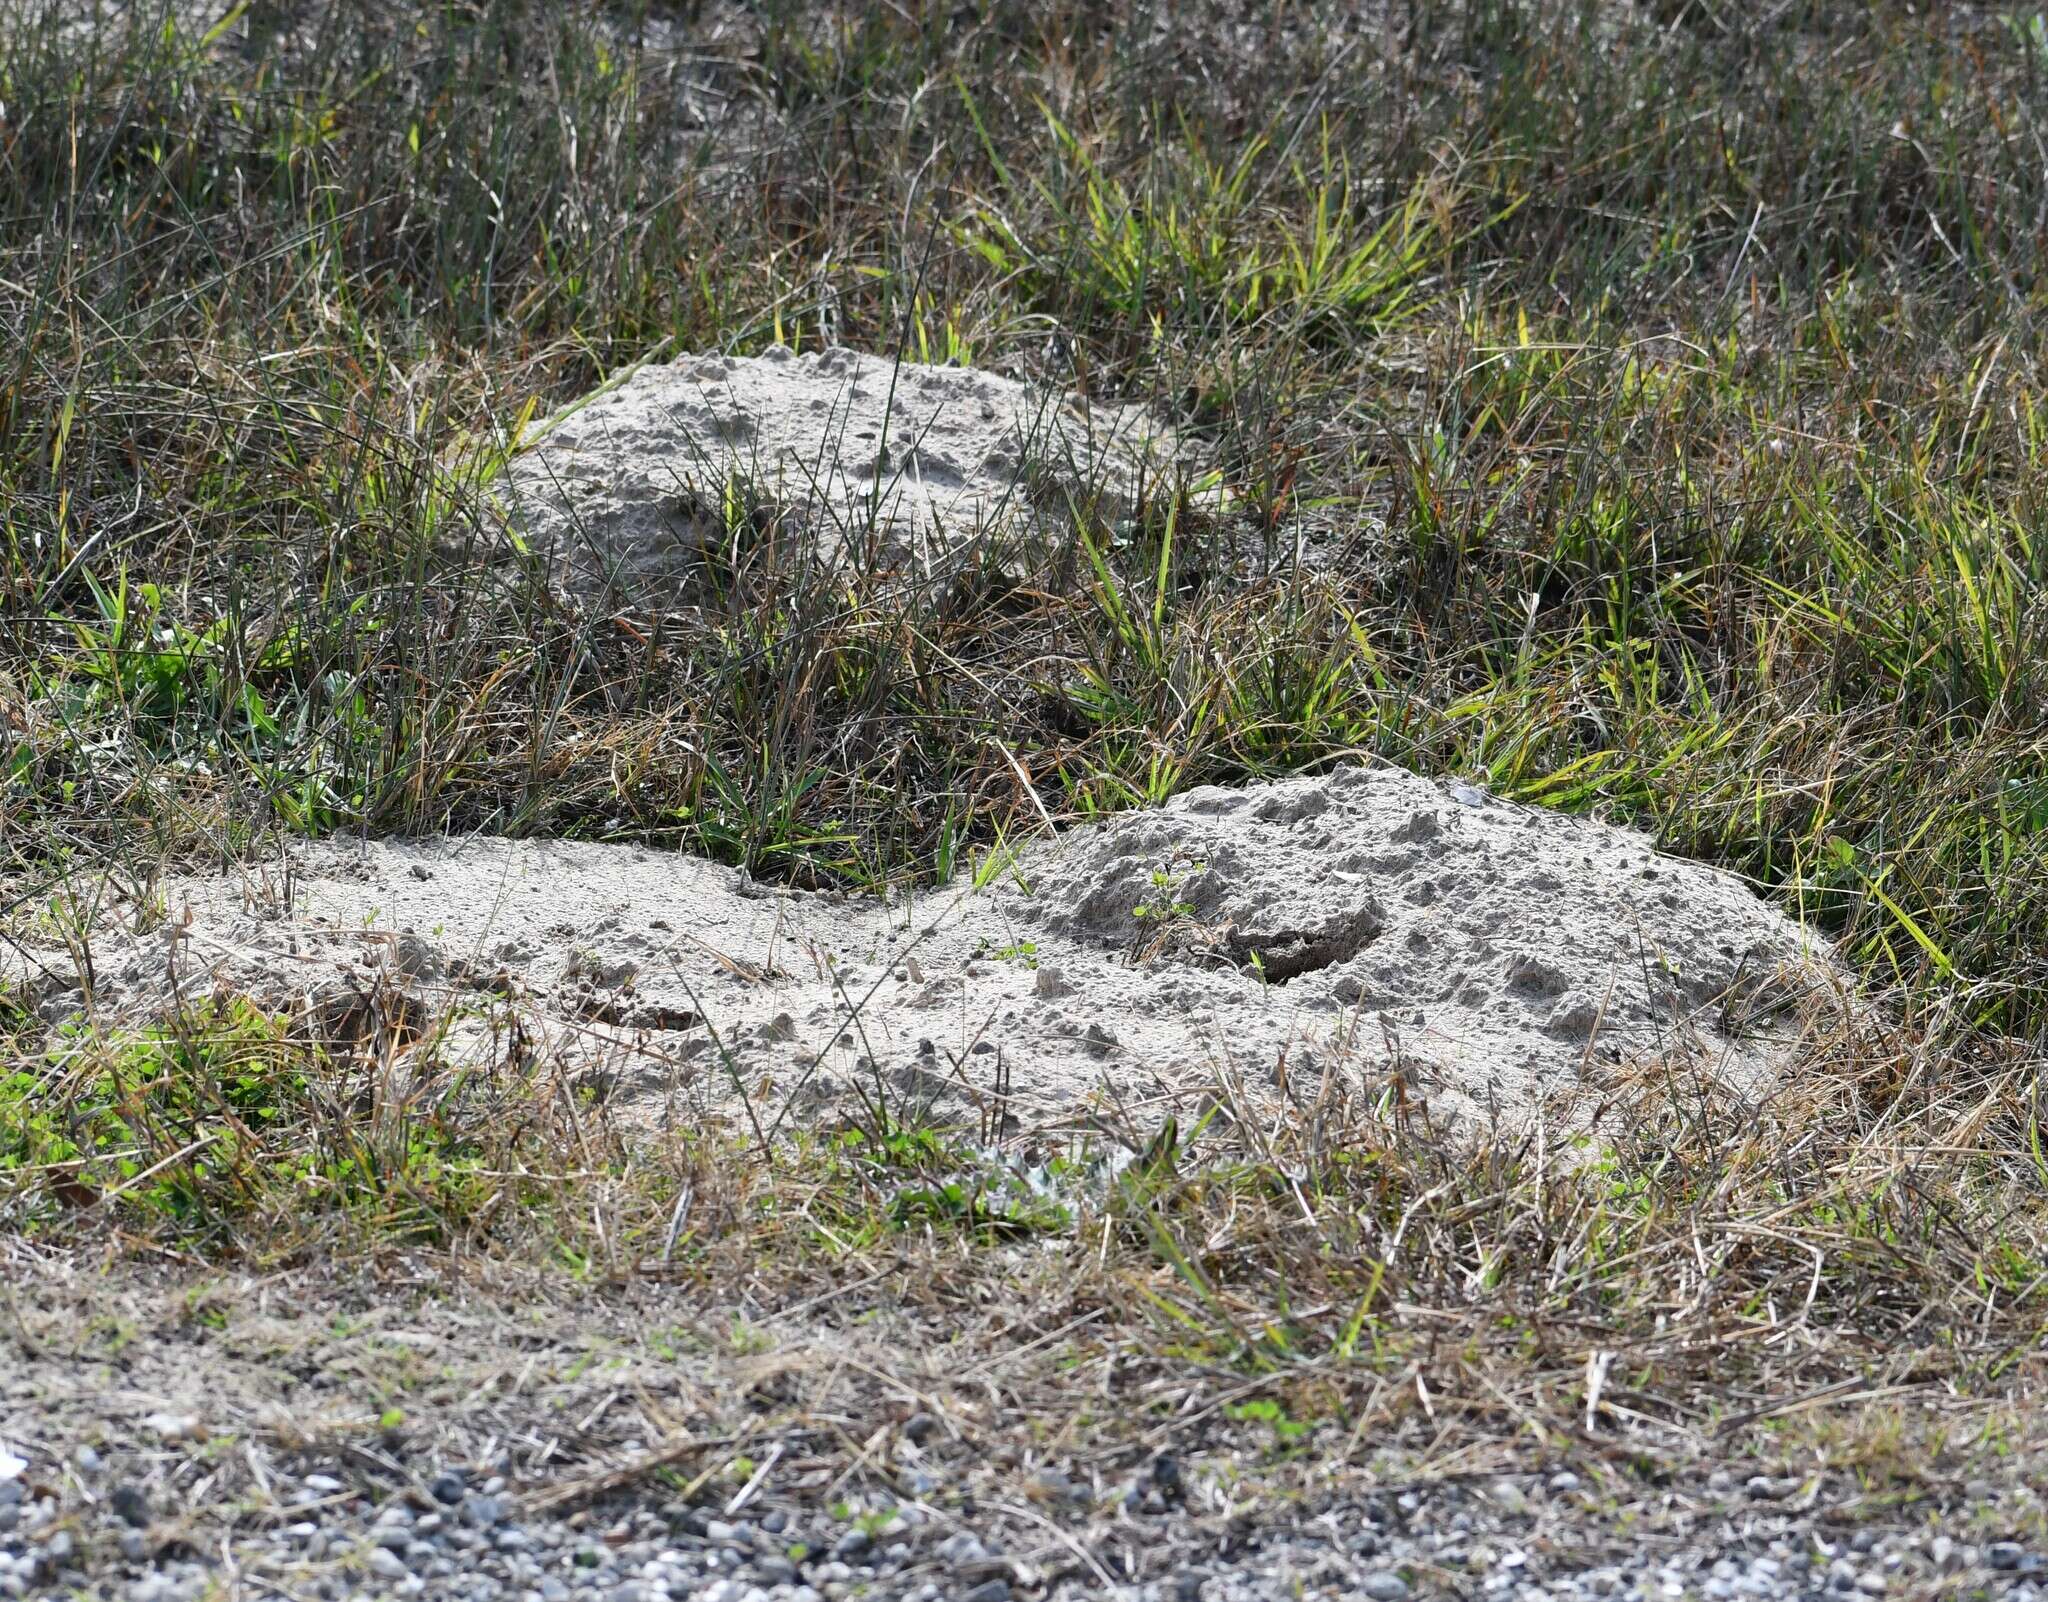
(1489, 959)
(867, 460)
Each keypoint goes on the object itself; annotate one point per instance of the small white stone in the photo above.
(168, 1426)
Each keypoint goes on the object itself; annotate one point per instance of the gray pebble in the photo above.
(1054, 1485)
(852, 1544)
(130, 1505)
(2004, 1555)
(1383, 1585)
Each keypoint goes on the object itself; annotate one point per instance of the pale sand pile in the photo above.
(1369, 924)
(901, 466)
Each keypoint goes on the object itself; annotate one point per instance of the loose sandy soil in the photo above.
(861, 459)
(1435, 944)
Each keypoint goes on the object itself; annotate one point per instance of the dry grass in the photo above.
(1664, 396)
(1642, 1288)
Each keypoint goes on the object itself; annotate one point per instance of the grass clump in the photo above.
(227, 1129)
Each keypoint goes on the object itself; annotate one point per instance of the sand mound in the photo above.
(1510, 948)
(1495, 959)
(901, 465)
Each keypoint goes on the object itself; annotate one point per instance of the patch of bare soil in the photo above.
(863, 460)
(1431, 944)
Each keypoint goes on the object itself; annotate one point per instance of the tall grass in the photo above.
(1639, 408)
(1658, 401)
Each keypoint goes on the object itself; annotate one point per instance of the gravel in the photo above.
(363, 1536)
(523, 1458)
